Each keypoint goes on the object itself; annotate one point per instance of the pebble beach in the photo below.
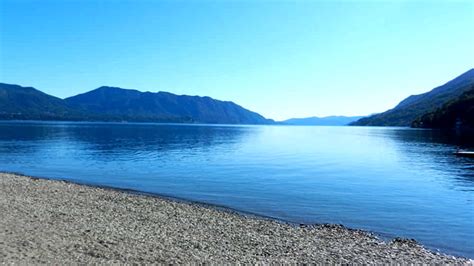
(46, 221)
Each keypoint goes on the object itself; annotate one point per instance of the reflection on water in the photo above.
(394, 181)
(436, 148)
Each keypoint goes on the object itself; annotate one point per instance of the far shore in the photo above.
(47, 221)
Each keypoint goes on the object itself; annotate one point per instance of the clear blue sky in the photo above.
(282, 59)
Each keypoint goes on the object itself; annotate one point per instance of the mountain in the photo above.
(415, 106)
(116, 104)
(18, 102)
(322, 121)
(456, 113)
(112, 101)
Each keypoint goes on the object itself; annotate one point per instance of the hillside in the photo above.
(322, 121)
(111, 101)
(457, 113)
(115, 104)
(417, 105)
(27, 103)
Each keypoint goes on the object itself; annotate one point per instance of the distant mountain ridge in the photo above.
(117, 104)
(415, 106)
(322, 121)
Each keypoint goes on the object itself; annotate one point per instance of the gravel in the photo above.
(46, 221)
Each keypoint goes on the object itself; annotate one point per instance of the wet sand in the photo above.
(46, 221)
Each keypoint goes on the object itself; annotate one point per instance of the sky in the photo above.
(282, 59)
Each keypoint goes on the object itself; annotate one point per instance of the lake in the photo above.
(391, 181)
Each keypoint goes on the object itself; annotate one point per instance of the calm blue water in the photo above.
(393, 181)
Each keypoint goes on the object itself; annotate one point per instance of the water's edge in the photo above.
(222, 208)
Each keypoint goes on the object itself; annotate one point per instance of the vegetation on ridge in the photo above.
(415, 106)
(458, 113)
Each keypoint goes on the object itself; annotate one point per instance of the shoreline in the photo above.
(222, 208)
(51, 220)
(179, 200)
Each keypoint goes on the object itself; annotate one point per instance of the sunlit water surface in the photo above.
(392, 181)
